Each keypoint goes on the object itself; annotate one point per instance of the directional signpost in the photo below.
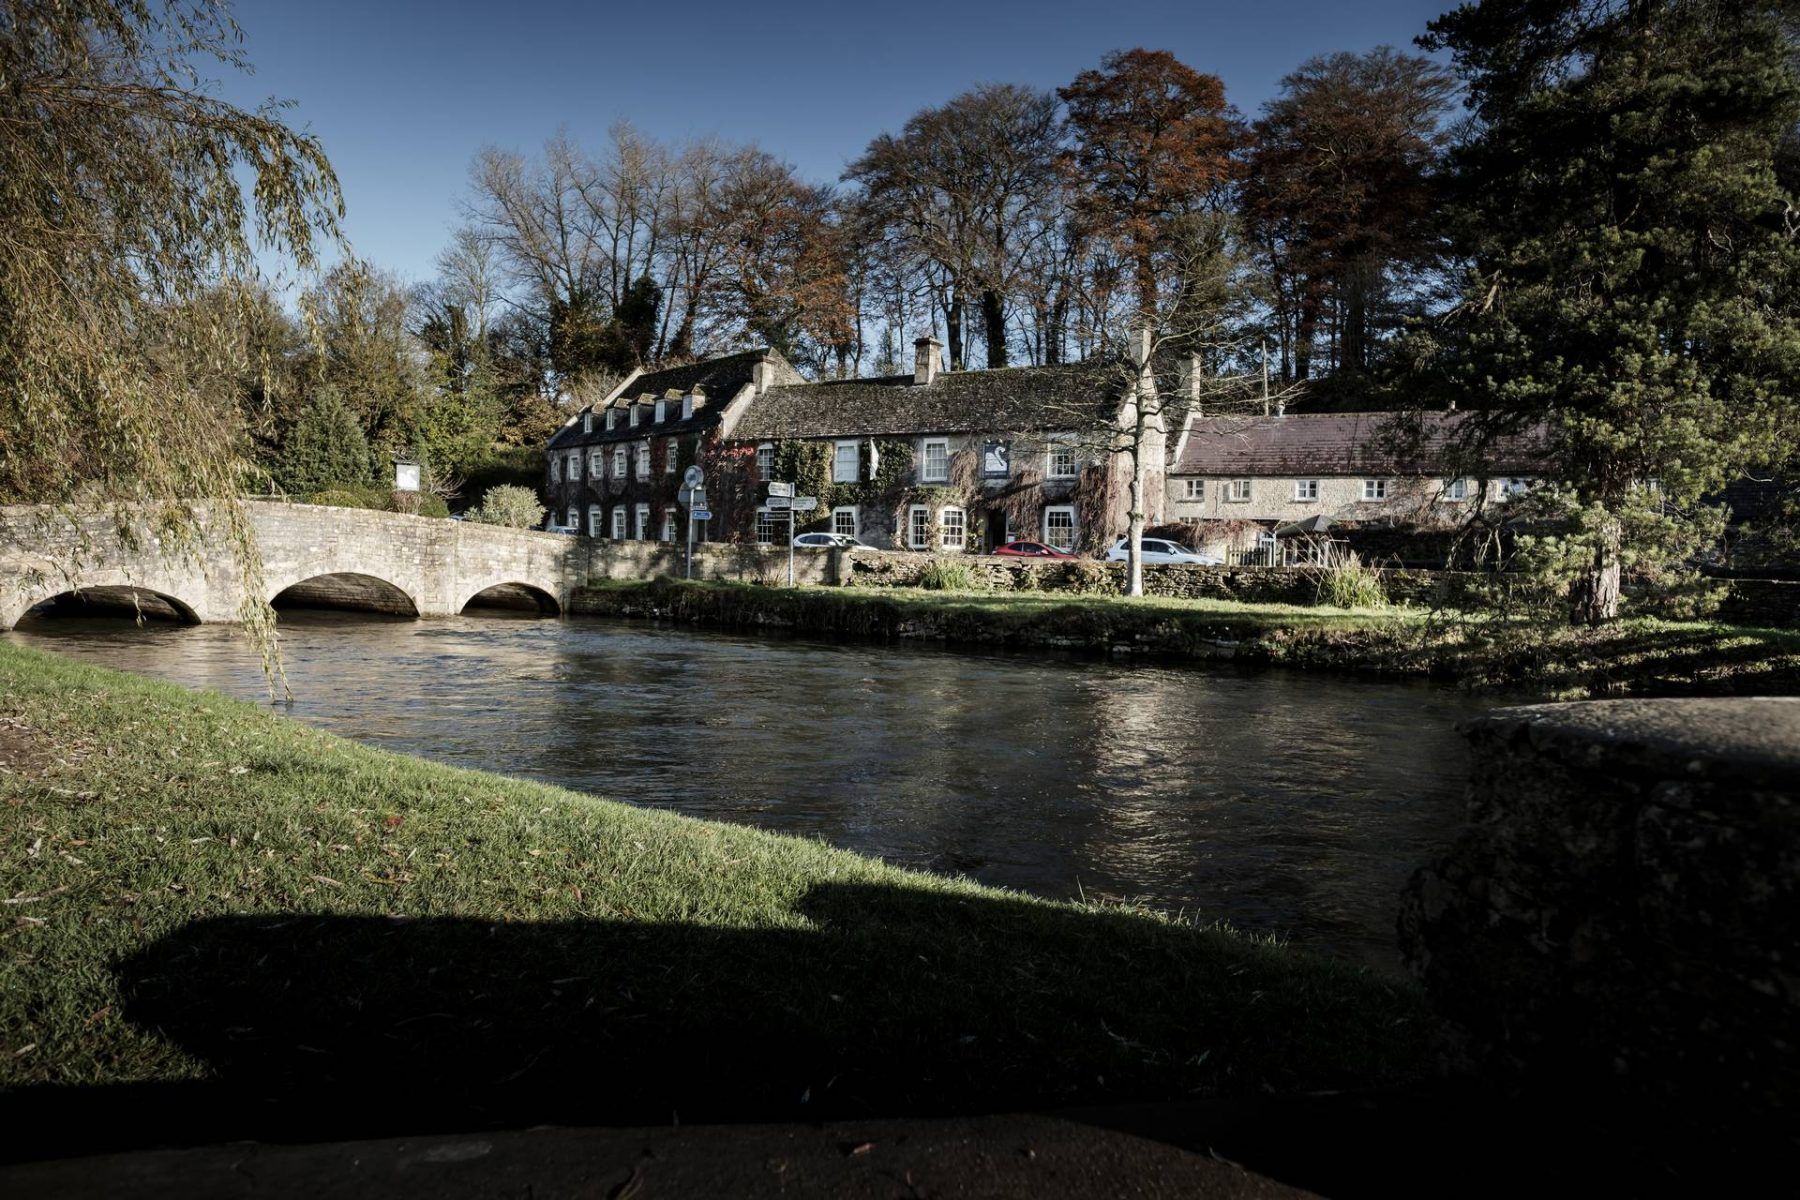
(693, 496)
(782, 499)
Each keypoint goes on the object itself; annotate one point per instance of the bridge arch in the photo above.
(109, 600)
(513, 596)
(349, 590)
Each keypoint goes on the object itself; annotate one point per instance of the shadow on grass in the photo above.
(895, 1002)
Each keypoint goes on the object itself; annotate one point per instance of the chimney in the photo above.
(693, 401)
(1190, 382)
(928, 359)
(762, 374)
(1139, 347)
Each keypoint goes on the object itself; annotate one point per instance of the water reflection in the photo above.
(1281, 802)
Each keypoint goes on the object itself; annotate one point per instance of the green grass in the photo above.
(220, 923)
(1634, 657)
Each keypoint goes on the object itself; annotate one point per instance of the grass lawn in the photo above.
(221, 923)
(1640, 656)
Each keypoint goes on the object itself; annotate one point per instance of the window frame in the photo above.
(1074, 527)
(855, 519)
(574, 515)
(913, 512)
(1310, 494)
(621, 453)
(765, 514)
(669, 456)
(671, 523)
(837, 460)
(634, 410)
(1456, 491)
(765, 472)
(611, 416)
(1193, 491)
(1058, 449)
(556, 468)
(1239, 491)
(962, 528)
(925, 446)
(587, 421)
(618, 522)
(1374, 490)
(661, 410)
(594, 520)
(641, 463)
(641, 514)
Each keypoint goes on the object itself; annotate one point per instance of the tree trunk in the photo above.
(1134, 528)
(953, 330)
(993, 322)
(1306, 329)
(1594, 599)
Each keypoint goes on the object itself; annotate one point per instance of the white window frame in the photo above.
(611, 416)
(1514, 486)
(572, 472)
(1074, 526)
(962, 528)
(643, 522)
(556, 468)
(620, 453)
(766, 515)
(634, 410)
(1237, 491)
(687, 406)
(670, 524)
(925, 447)
(618, 522)
(643, 459)
(855, 519)
(765, 461)
(669, 456)
(1374, 489)
(661, 408)
(1456, 490)
(1193, 491)
(1059, 451)
(837, 461)
(596, 464)
(587, 422)
(913, 513)
(1306, 491)
(574, 517)
(593, 525)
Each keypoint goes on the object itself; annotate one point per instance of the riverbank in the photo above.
(223, 922)
(1634, 657)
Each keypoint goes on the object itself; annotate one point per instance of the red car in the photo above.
(1032, 550)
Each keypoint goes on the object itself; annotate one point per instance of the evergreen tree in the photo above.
(1634, 251)
(325, 449)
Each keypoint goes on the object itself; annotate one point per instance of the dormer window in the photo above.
(587, 422)
(611, 414)
(687, 407)
(659, 411)
(635, 409)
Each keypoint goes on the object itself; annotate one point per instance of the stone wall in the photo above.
(1622, 908)
(731, 561)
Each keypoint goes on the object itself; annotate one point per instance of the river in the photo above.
(1280, 802)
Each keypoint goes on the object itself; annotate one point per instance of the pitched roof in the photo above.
(720, 378)
(1001, 400)
(1305, 444)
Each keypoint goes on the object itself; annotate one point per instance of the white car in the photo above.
(1156, 550)
(826, 541)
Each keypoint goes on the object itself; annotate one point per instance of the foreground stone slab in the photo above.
(1002, 1157)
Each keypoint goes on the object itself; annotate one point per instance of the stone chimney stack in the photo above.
(1139, 347)
(928, 359)
(762, 374)
(1190, 381)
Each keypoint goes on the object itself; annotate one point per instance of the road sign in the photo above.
(700, 514)
(693, 477)
(805, 503)
(781, 490)
(779, 502)
(691, 497)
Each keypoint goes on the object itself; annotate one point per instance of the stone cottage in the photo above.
(943, 461)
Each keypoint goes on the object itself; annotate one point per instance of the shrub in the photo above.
(1349, 584)
(941, 575)
(509, 505)
(353, 497)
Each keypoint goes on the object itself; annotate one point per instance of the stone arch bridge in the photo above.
(324, 557)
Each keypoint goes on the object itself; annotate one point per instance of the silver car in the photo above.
(1156, 550)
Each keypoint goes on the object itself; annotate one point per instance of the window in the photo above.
(768, 527)
(844, 520)
(619, 453)
(643, 522)
(635, 410)
(954, 529)
(668, 532)
(669, 456)
(996, 460)
(574, 519)
(918, 527)
(643, 460)
(587, 422)
(555, 470)
(619, 523)
(573, 472)
(844, 462)
(1193, 489)
(1375, 489)
(765, 461)
(1062, 462)
(1456, 489)
(1515, 487)
(611, 415)
(596, 464)
(1306, 490)
(593, 520)
(1237, 491)
(935, 461)
(687, 406)
(1059, 527)
(660, 409)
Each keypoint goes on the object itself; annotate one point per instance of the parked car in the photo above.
(1032, 550)
(827, 541)
(1156, 550)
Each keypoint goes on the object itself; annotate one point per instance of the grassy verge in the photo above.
(1635, 657)
(223, 924)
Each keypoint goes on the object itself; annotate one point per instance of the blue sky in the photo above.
(403, 92)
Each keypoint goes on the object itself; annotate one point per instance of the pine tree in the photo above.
(325, 449)
(1634, 250)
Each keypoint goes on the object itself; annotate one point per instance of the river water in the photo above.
(1281, 802)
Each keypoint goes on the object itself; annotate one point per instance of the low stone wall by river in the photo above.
(1622, 909)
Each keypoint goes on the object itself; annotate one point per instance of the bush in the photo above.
(509, 505)
(1349, 584)
(942, 575)
(376, 498)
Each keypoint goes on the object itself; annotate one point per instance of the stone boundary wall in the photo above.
(733, 562)
(1622, 907)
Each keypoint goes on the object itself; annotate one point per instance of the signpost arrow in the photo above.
(701, 514)
(782, 502)
(780, 489)
(805, 503)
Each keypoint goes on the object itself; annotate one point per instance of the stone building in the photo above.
(613, 470)
(1346, 467)
(960, 461)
